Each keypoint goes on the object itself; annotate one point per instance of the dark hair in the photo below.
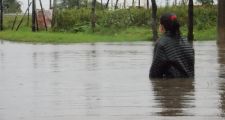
(171, 24)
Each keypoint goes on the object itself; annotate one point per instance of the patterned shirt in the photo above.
(173, 58)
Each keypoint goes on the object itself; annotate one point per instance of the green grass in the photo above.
(208, 34)
(131, 34)
(106, 35)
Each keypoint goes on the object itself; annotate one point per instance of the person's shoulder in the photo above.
(162, 41)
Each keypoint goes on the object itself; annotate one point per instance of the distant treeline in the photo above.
(78, 20)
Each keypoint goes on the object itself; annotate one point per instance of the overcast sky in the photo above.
(46, 3)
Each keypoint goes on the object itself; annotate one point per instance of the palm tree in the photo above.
(190, 21)
(221, 20)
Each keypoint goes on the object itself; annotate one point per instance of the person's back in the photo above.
(173, 57)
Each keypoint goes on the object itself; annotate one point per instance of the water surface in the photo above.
(106, 81)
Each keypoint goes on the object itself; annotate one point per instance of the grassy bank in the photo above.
(127, 35)
(131, 34)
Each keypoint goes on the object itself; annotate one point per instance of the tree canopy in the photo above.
(12, 6)
(77, 3)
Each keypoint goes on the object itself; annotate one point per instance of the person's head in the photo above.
(169, 23)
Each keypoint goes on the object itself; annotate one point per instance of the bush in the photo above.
(78, 20)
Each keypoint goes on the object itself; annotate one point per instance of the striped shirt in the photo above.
(173, 58)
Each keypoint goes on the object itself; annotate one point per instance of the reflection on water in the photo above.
(221, 61)
(175, 96)
(106, 81)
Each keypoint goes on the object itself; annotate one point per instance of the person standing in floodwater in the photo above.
(173, 55)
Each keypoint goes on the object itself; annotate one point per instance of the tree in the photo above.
(12, 6)
(72, 3)
(184, 2)
(93, 15)
(154, 20)
(1, 15)
(221, 20)
(167, 3)
(190, 21)
(205, 2)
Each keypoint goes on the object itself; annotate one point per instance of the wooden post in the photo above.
(2, 14)
(190, 21)
(93, 18)
(154, 20)
(33, 15)
(221, 21)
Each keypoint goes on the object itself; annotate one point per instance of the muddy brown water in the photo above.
(106, 81)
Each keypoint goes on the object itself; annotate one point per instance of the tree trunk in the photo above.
(93, 16)
(221, 20)
(147, 4)
(28, 13)
(124, 4)
(154, 20)
(116, 6)
(139, 3)
(175, 2)
(1, 17)
(43, 15)
(101, 5)
(54, 13)
(78, 4)
(133, 3)
(107, 4)
(190, 21)
(33, 15)
(50, 4)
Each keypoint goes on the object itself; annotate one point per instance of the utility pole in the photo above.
(1, 17)
(34, 15)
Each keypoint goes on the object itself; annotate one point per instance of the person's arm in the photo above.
(159, 62)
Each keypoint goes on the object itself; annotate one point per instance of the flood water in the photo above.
(106, 81)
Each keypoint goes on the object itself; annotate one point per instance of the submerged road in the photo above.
(106, 81)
